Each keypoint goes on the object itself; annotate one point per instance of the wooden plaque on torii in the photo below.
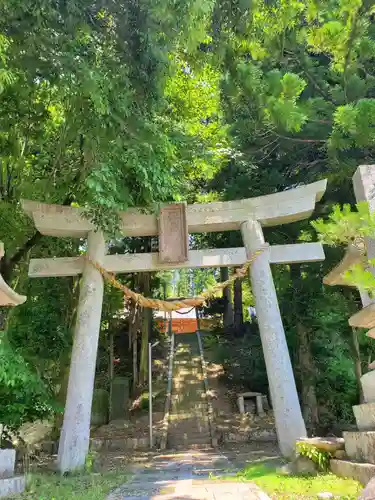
(173, 234)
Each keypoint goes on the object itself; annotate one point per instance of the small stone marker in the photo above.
(258, 398)
(120, 398)
(9, 484)
(7, 460)
(173, 234)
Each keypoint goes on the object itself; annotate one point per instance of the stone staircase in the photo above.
(358, 461)
(189, 425)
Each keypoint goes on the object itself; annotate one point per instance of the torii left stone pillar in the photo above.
(75, 434)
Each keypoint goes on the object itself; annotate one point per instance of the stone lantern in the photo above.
(9, 483)
(8, 297)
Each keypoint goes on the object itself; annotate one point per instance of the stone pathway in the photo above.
(186, 476)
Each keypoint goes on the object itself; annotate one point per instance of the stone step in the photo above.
(360, 446)
(191, 438)
(361, 472)
(192, 446)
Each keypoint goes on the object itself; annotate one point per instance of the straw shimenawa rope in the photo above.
(175, 305)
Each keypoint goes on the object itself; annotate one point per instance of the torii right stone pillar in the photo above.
(288, 416)
(75, 434)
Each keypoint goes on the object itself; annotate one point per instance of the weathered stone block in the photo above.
(97, 444)
(299, 466)
(100, 407)
(365, 416)
(7, 461)
(354, 470)
(325, 444)
(12, 485)
(360, 446)
(369, 492)
(368, 386)
(340, 454)
(120, 398)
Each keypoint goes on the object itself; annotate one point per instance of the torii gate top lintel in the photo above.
(270, 210)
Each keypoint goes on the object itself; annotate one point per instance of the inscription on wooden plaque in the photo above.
(173, 234)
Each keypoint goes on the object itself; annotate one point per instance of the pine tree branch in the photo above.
(295, 139)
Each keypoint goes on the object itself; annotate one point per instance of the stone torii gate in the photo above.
(174, 223)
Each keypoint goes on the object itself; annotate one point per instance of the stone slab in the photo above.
(365, 416)
(120, 398)
(369, 492)
(12, 486)
(360, 446)
(368, 387)
(325, 444)
(100, 407)
(359, 471)
(7, 461)
(173, 234)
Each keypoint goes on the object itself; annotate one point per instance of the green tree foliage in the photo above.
(345, 226)
(23, 397)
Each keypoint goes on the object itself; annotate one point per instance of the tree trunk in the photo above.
(111, 370)
(357, 363)
(310, 409)
(61, 396)
(237, 304)
(4, 312)
(227, 296)
(135, 362)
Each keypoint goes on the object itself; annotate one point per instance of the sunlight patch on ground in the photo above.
(296, 487)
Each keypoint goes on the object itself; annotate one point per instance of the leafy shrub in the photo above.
(23, 396)
(319, 457)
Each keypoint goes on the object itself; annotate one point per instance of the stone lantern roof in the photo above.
(8, 297)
